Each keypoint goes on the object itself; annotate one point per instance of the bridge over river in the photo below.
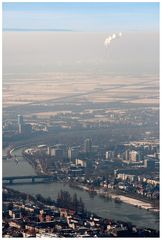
(32, 179)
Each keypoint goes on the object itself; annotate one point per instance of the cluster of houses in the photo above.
(28, 219)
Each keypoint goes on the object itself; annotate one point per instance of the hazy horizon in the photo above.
(69, 37)
(35, 52)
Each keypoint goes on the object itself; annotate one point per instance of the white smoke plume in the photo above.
(107, 41)
(111, 38)
(120, 34)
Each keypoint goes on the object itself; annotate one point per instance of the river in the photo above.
(100, 206)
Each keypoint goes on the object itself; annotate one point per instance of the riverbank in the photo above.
(106, 194)
(134, 202)
(54, 210)
(93, 202)
(124, 199)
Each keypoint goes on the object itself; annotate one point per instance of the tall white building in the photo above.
(20, 119)
(73, 153)
(88, 145)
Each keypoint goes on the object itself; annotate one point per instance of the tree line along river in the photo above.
(102, 207)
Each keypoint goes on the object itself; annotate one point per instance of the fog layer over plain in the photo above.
(38, 52)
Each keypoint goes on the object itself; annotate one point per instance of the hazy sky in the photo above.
(38, 52)
(82, 16)
(81, 49)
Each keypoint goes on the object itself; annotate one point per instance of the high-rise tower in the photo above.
(88, 145)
